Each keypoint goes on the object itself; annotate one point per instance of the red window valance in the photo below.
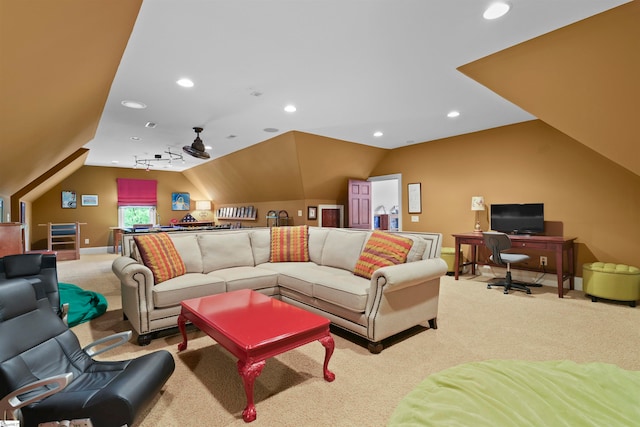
(137, 192)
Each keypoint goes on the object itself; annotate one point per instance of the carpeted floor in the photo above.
(474, 324)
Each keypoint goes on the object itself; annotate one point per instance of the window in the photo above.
(136, 202)
(130, 215)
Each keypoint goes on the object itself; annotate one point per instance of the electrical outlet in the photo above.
(86, 241)
(543, 260)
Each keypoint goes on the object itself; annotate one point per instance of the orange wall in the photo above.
(585, 195)
(102, 181)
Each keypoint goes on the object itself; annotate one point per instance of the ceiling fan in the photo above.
(197, 148)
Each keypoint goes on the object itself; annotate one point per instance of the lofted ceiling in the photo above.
(350, 67)
(581, 79)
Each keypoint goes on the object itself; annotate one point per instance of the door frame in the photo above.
(395, 176)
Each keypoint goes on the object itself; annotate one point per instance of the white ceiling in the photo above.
(351, 67)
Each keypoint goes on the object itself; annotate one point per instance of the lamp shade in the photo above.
(203, 205)
(477, 203)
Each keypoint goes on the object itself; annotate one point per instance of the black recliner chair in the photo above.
(40, 270)
(39, 355)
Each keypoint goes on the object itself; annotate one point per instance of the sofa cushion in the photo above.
(290, 244)
(189, 250)
(260, 245)
(382, 249)
(347, 291)
(159, 254)
(298, 276)
(317, 237)
(417, 248)
(247, 278)
(224, 250)
(191, 285)
(342, 248)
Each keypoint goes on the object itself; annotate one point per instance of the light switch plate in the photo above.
(415, 218)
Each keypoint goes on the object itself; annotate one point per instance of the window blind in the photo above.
(137, 192)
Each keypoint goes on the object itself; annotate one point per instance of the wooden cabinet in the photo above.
(10, 238)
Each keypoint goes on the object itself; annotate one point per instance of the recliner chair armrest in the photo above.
(120, 338)
(64, 313)
(11, 403)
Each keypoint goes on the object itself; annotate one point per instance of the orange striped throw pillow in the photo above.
(290, 244)
(160, 255)
(382, 249)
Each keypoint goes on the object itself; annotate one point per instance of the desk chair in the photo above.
(497, 243)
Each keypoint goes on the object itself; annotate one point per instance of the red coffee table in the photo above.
(255, 327)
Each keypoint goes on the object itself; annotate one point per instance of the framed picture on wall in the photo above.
(69, 200)
(312, 212)
(180, 202)
(415, 198)
(89, 200)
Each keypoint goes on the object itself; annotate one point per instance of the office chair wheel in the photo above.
(488, 286)
(506, 291)
(528, 291)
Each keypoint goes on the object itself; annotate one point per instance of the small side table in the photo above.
(117, 238)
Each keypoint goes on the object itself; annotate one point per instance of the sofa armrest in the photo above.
(137, 286)
(126, 268)
(396, 277)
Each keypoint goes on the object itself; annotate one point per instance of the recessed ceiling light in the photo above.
(453, 113)
(134, 104)
(208, 147)
(115, 162)
(377, 134)
(496, 10)
(150, 125)
(272, 130)
(185, 82)
(290, 108)
(135, 138)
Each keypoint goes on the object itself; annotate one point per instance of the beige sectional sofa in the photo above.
(396, 298)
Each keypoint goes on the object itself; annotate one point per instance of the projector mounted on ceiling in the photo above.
(197, 148)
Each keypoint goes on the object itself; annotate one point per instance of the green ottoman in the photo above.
(611, 281)
(448, 255)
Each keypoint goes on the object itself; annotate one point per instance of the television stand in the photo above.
(557, 244)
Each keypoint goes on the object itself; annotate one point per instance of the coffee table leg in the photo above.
(181, 325)
(329, 345)
(249, 372)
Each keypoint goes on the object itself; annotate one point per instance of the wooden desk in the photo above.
(557, 244)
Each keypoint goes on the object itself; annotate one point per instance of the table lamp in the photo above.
(477, 205)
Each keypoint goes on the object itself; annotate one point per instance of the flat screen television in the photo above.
(526, 218)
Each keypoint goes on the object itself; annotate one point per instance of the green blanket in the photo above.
(83, 305)
(517, 393)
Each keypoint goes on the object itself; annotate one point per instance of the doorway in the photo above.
(386, 198)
